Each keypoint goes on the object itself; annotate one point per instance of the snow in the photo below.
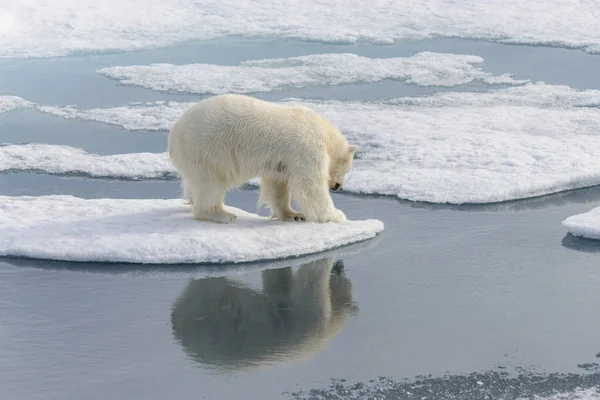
(461, 147)
(585, 225)
(57, 159)
(33, 28)
(150, 116)
(536, 94)
(154, 231)
(424, 69)
(9, 103)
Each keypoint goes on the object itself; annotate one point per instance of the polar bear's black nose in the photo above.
(336, 186)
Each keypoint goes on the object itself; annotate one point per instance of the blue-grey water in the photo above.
(442, 304)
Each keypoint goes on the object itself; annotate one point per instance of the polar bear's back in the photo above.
(248, 135)
(244, 117)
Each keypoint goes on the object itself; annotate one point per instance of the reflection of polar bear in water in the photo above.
(228, 325)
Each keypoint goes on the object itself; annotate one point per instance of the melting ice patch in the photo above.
(157, 232)
(424, 69)
(9, 103)
(451, 147)
(56, 159)
(536, 94)
(31, 28)
(585, 225)
(476, 385)
(151, 116)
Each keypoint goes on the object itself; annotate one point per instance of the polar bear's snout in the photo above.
(337, 186)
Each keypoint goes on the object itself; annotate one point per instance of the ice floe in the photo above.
(538, 94)
(585, 225)
(197, 271)
(151, 116)
(156, 231)
(462, 147)
(9, 103)
(29, 28)
(478, 153)
(424, 69)
(57, 159)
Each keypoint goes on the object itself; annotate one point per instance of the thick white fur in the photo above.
(225, 140)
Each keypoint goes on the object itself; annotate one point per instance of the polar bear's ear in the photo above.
(352, 149)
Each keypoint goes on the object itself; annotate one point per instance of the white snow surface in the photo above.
(58, 159)
(34, 28)
(9, 103)
(461, 147)
(585, 225)
(424, 69)
(471, 151)
(149, 116)
(155, 231)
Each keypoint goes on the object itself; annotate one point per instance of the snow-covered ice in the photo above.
(586, 224)
(150, 116)
(57, 159)
(9, 103)
(537, 94)
(461, 147)
(155, 231)
(424, 69)
(470, 151)
(30, 28)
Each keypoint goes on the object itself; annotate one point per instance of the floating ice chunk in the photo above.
(232, 269)
(55, 159)
(538, 94)
(424, 69)
(29, 28)
(469, 154)
(151, 116)
(157, 232)
(9, 103)
(585, 225)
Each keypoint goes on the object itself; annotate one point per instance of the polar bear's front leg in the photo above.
(275, 192)
(318, 206)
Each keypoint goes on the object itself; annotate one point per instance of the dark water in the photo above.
(443, 304)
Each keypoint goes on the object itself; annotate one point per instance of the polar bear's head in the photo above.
(341, 162)
(340, 152)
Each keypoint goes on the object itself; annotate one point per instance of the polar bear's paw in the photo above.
(333, 216)
(223, 217)
(338, 216)
(292, 216)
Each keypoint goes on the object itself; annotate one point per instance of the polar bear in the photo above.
(225, 140)
(227, 325)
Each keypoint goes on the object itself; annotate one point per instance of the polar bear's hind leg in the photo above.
(208, 201)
